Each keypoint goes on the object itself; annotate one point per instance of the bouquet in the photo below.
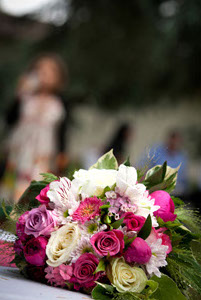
(111, 231)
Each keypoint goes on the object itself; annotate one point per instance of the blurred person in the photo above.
(38, 123)
(172, 152)
(120, 142)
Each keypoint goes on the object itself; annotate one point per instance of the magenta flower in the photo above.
(18, 247)
(20, 227)
(83, 271)
(138, 252)
(40, 221)
(166, 210)
(34, 251)
(105, 242)
(133, 222)
(42, 197)
(87, 210)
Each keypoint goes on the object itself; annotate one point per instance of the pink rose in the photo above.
(105, 242)
(34, 251)
(133, 222)
(138, 252)
(42, 197)
(20, 226)
(83, 271)
(166, 210)
(40, 221)
(165, 238)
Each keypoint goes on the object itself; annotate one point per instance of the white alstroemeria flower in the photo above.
(127, 185)
(159, 253)
(62, 194)
(93, 182)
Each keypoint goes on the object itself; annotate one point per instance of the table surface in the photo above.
(13, 286)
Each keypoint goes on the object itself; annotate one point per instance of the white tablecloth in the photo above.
(14, 286)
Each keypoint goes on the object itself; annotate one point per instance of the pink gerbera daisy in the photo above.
(87, 210)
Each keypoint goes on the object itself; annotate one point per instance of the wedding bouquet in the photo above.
(111, 231)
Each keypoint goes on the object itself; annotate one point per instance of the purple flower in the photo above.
(40, 221)
(166, 210)
(42, 197)
(133, 222)
(83, 271)
(105, 242)
(34, 251)
(138, 252)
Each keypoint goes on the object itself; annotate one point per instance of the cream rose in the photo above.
(61, 243)
(94, 181)
(126, 278)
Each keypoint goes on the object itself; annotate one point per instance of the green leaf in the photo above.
(161, 178)
(127, 162)
(150, 288)
(101, 266)
(103, 292)
(128, 241)
(107, 161)
(117, 223)
(169, 224)
(146, 229)
(105, 206)
(156, 174)
(167, 289)
(49, 177)
(6, 210)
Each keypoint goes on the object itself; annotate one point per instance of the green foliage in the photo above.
(49, 177)
(161, 178)
(189, 217)
(127, 162)
(107, 161)
(185, 270)
(146, 229)
(103, 292)
(167, 289)
(117, 223)
(101, 266)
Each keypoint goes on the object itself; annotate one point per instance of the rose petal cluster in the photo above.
(40, 221)
(138, 252)
(126, 278)
(133, 222)
(108, 242)
(34, 251)
(59, 275)
(166, 210)
(20, 227)
(83, 271)
(61, 244)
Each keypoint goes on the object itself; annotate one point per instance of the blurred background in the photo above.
(78, 77)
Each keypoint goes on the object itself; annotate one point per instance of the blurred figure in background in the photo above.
(120, 142)
(172, 152)
(37, 121)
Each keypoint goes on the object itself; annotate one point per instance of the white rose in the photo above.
(126, 278)
(61, 243)
(127, 183)
(94, 181)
